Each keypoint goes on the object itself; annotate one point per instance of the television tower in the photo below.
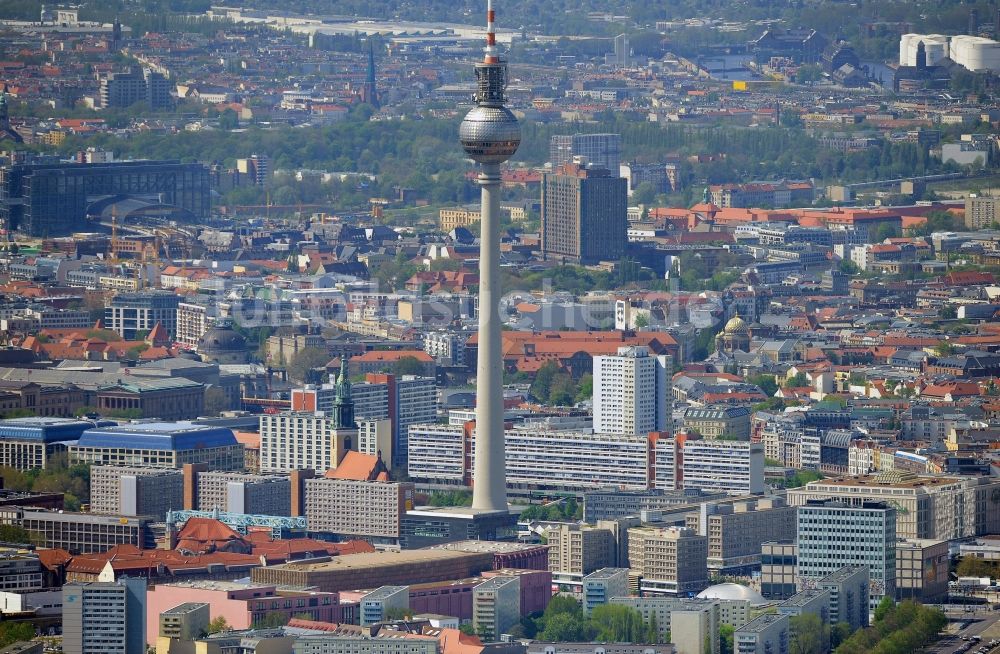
(490, 136)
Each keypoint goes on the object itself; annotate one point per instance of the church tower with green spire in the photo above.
(343, 405)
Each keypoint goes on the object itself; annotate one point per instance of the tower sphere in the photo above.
(490, 135)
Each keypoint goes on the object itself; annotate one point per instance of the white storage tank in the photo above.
(904, 49)
(976, 53)
(936, 47)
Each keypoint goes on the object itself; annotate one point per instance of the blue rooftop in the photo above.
(158, 436)
(46, 429)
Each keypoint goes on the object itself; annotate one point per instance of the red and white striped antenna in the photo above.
(491, 35)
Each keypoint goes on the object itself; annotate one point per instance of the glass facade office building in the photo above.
(47, 200)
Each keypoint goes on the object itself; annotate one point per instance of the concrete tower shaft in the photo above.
(490, 135)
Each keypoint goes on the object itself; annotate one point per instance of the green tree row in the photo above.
(568, 509)
(450, 498)
(563, 621)
(898, 629)
(423, 154)
(57, 477)
(554, 386)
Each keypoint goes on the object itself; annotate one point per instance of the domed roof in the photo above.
(733, 592)
(221, 338)
(490, 134)
(736, 325)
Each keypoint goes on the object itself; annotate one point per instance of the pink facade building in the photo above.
(536, 588)
(240, 604)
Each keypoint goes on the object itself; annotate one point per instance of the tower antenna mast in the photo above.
(490, 136)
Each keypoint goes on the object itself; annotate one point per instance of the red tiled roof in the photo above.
(53, 558)
(356, 466)
(199, 533)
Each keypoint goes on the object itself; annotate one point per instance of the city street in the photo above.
(982, 622)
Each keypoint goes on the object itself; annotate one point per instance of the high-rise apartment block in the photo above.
(134, 491)
(667, 454)
(255, 168)
(366, 509)
(733, 467)
(296, 440)
(193, 320)
(377, 605)
(126, 89)
(404, 401)
(537, 457)
(922, 569)
(765, 634)
(412, 400)
(375, 437)
(631, 392)
(186, 621)
(623, 52)
(653, 174)
(981, 212)
(602, 585)
(601, 150)
(778, 569)
(584, 214)
(237, 492)
(132, 313)
(496, 606)
(672, 560)
(578, 550)
(849, 591)
(833, 534)
(736, 531)
(105, 617)
(439, 454)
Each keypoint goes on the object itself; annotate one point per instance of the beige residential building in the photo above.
(367, 509)
(496, 606)
(718, 422)
(300, 440)
(777, 569)
(695, 630)
(135, 491)
(981, 212)
(192, 323)
(766, 634)
(921, 570)
(736, 531)
(673, 560)
(238, 492)
(449, 219)
(937, 508)
(691, 623)
(577, 550)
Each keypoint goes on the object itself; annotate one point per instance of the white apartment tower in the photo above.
(298, 440)
(631, 392)
(104, 617)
